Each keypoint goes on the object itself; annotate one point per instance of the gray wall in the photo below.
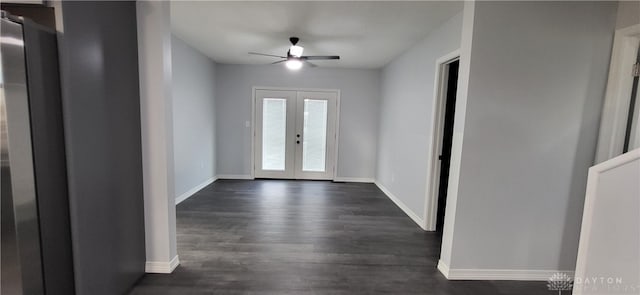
(536, 85)
(406, 115)
(193, 116)
(101, 107)
(628, 14)
(360, 98)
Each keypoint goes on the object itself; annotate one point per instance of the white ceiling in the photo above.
(364, 34)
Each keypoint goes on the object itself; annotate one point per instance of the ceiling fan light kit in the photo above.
(294, 59)
(293, 64)
(296, 50)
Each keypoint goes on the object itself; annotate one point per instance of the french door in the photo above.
(295, 134)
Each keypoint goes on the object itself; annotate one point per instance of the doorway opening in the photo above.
(295, 134)
(446, 88)
(447, 140)
(619, 123)
(632, 132)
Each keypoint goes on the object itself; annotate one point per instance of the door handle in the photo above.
(297, 142)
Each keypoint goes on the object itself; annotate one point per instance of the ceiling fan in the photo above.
(294, 59)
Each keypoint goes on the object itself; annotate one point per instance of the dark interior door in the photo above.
(447, 139)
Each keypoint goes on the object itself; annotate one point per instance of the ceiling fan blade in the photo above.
(264, 54)
(277, 62)
(310, 64)
(320, 57)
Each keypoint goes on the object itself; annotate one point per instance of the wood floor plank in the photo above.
(306, 237)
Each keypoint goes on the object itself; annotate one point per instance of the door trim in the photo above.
(253, 122)
(437, 126)
(618, 94)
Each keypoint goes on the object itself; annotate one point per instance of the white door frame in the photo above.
(253, 122)
(618, 94)
(434, 148)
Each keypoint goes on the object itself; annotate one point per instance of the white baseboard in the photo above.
(498, 274)
(234, 176)
(194, 190)
(338, 179)
(354, 179)
(162, 266)
(402, 206)
(443, 268)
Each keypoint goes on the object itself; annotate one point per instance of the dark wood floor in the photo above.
(306, 237)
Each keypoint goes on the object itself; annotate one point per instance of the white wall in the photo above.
(154, 62)
(406, 115)
(193, 117)
(535, 89)
(628, 14)
(360, 98)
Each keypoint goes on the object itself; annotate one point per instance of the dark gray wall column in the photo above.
(101, 103)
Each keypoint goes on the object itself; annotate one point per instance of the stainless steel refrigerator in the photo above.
(36, 255)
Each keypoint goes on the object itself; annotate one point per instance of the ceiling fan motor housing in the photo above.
(294, 55)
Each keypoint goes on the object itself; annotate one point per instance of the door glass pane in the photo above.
(314, 146)
(274, 133)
